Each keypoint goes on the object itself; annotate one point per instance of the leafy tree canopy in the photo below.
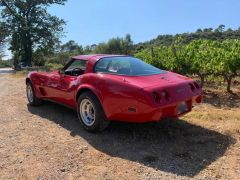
(116, 46)
(72, 46)
(30, 26)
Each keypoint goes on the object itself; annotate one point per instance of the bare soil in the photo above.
(48, 142)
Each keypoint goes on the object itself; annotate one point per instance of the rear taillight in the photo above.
(166, 95)
(158, 97)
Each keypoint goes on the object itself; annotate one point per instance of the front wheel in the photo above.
(90, 113)
(32, 99)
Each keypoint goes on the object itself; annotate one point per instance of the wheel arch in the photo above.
(88, 89)
(28, 80)
(31, 78)
(93, 91)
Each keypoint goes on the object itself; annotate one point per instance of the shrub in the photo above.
(53, 66)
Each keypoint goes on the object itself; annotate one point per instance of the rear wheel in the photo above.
(32, 99)
(90, 113)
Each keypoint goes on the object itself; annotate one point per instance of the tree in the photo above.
(30, 26)
(72, 47)
(199, 30)
(3, 34)
(115, 46)
(220, 28)
(101, 48)
(127, 45)
(207, 30)
(229, 30)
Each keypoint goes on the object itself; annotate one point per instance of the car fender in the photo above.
(95, 91)
(32, 77)
(37, 80)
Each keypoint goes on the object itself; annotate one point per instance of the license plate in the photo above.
(182, 108)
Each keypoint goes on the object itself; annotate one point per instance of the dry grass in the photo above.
(226, 120)
(19, 74)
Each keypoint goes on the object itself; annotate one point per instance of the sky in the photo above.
(94, 21)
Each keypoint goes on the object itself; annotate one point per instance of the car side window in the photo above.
(115, 66)
(82, 64)
(101, 66)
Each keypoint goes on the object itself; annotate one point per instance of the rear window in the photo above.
(128, 66)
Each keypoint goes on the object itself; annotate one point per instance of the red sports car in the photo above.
(104, 88)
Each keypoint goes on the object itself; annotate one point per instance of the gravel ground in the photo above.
(48, 142)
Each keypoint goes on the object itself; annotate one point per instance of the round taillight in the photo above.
(165, 95)
(156, 97)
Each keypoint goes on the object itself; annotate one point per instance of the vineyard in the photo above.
(204, 58)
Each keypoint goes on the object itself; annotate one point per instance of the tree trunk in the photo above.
(29, 55)
(229, 82)
(27, 50)
(30, 51)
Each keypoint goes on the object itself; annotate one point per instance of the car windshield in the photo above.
(125, 65)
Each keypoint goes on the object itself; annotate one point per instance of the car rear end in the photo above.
(172, 100)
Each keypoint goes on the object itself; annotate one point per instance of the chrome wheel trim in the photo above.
(30, 93)
(87, 112)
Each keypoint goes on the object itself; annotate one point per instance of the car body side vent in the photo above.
(132, 109)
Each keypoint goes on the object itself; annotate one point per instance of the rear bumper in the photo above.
(172, 110)
(151, 114)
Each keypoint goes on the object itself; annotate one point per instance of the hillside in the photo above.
(218, 34)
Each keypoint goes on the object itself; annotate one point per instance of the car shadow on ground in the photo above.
(173, 146)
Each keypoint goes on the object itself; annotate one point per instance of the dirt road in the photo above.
(47, 142)
(6, 71)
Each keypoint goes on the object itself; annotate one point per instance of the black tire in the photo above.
(100, 121)
(35, 101)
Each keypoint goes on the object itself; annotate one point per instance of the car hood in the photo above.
(167, 78)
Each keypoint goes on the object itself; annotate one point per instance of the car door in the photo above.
(53, 85)
(70, 80)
